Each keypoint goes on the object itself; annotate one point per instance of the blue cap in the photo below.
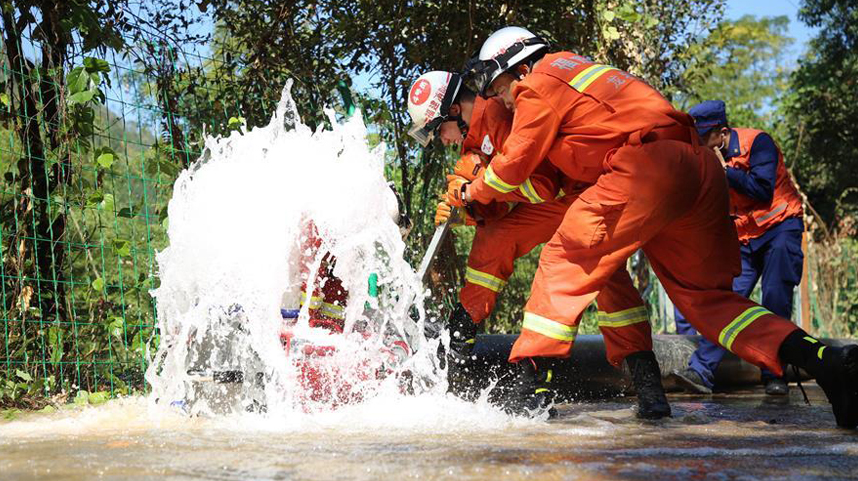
(708, 115)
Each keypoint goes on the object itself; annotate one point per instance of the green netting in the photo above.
(84, 213)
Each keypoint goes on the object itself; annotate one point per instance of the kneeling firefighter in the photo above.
(325, 298)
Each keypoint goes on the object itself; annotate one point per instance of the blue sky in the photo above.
(773, 8)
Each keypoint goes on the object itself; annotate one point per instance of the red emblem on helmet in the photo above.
(420, 91)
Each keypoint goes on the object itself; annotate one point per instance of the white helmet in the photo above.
(429, 101)
(500, 52)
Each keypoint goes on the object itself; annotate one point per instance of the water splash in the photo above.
(238, 227)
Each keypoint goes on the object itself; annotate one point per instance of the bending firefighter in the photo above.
(654, 188)
(503, 235)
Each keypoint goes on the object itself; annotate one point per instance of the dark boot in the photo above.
(776, 386)
(834, 368)
(463, 337)
(531, 394)
(691, 381)
(646, 377)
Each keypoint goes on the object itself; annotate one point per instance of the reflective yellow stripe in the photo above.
(485, 280)
(332, 310)
(810, 339)
(539, 390)
(768, 215)
(492, 180)
(743, 320)
(819, 352)
(627, 317)
(528, 191)
(588, 76)
(315, 301)
(549, 328)
(549, 375)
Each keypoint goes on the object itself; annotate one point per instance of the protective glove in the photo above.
(444, 211)
(469, 166)
(456, 186)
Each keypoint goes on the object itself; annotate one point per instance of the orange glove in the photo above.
(444, 211)
(469, 166)
(456, 190)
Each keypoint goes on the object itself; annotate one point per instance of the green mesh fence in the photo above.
(89, 151)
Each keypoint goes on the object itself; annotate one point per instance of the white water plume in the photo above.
(238, 228)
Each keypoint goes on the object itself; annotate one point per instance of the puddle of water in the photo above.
(730, 436)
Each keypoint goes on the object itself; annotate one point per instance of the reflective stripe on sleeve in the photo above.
(485, 280)
(623, 318)
(529, 192)
(588, 76)
(492, 180)
(549, 328)
(743, 320)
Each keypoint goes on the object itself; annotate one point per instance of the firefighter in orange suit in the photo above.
(480, 125)
(654, 188)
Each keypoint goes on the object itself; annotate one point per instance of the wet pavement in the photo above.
(744, 435)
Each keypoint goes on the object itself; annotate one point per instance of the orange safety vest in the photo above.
(753, 217)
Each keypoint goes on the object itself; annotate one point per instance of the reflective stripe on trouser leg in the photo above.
(742, 321)
(543, 337)
(484, 279)
(623, 318)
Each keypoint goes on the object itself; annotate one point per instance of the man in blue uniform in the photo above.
(767, 212)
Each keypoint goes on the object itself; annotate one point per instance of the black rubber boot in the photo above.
(646, 377)
(463, 337)
(776, 386)
(834, 368)
(531, 394)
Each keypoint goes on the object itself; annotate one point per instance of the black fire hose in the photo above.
(587, 374)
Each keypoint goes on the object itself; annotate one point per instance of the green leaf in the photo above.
(93, 64)
(236, 122)
(165, 223)
(611, 33)
(126, 212)
(48, 409)
(24, 376)
(97, 398)
(82, 398)
(4, 99)
(98, 284)
(116, 327)
(105, 160)
(122, 247)
(77, 80)
(81, 97)
(108, 203)
(608, 15)
(94, 199)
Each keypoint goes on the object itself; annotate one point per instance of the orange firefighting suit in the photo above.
(654, 189)
(540, 208)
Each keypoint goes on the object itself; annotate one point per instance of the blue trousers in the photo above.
(777, 258)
